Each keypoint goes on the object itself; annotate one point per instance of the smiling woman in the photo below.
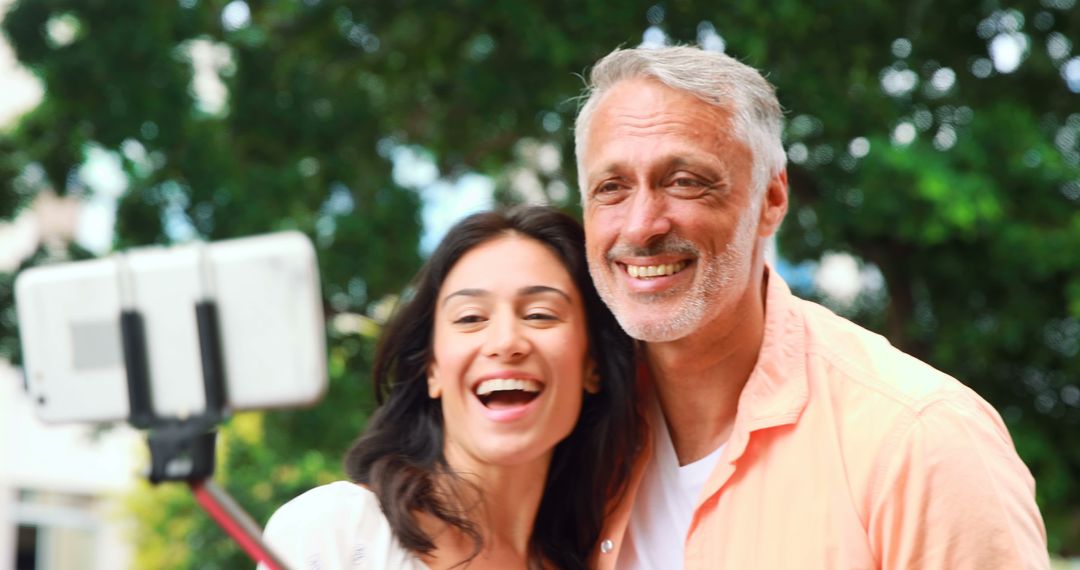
(507, 419)
(510, 358)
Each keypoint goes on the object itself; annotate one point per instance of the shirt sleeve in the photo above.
(955, 494)
(299, 539)
(335, 527)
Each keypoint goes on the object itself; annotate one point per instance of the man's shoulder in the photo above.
(890, 408)
(849, 357)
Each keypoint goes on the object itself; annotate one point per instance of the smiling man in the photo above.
(783, 435)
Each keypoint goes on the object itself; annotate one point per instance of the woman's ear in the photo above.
(591, 383)
(434, 387)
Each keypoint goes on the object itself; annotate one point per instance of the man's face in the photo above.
(671, 218)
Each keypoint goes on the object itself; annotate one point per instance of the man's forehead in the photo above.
(642, 94)
(645, 108)
(675, 120)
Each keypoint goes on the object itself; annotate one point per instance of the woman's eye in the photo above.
(540, 317)
(468, 319)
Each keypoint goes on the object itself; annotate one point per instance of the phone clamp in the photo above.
(182, 449)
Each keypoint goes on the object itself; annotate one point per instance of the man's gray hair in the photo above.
(715, 78)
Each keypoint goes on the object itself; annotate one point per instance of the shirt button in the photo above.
(607, 546)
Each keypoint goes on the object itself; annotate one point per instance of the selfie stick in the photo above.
(182, 449)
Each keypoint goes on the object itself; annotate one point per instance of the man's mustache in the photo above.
(669, 244)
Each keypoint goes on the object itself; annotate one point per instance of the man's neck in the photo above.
(698, 379)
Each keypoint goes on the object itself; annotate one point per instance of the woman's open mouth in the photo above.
(505, 393)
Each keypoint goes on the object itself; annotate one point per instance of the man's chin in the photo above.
(649, 328)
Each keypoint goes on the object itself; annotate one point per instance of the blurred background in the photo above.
(934, 153)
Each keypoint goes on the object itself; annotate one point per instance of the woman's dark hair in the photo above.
(400, 454)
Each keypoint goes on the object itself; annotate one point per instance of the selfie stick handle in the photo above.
(230, 517)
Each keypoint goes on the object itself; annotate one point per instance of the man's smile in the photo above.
(651, 271)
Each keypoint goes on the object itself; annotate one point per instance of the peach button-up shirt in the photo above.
(849, 454)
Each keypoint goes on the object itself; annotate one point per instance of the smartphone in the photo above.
(271, 328)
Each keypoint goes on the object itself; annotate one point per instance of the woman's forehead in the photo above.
(509, 265)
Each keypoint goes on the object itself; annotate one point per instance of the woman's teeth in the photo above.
(664, 269)
(505, 393)
(504, 384)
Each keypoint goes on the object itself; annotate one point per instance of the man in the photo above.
(783, 435)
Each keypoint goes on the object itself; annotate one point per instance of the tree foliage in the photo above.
(909, 148)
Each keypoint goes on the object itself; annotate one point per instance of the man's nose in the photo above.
(647, 217)
(505, 340)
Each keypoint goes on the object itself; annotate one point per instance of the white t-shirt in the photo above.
(336, 527)
(664, 506)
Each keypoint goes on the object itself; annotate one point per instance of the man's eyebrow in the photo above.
(665, 163)
(678, 162)
(466, 293)
(540, 289)
(608, 169)
(684, 162)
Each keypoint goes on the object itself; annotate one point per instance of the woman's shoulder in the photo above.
(338, 500)
(339, 525)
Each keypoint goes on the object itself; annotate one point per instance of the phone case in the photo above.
(269, 308)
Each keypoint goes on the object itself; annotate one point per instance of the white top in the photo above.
(336, 527)
(664, 505)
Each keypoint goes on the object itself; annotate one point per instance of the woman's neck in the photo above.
(502, 501)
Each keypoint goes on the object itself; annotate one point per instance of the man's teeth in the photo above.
(655, 270)
(501, 384)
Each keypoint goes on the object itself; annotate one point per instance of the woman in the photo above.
(507, 418)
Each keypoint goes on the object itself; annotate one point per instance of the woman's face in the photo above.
(510, 356)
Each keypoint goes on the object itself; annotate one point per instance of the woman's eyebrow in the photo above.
(523, 292)
(466, 293)
(539, 289)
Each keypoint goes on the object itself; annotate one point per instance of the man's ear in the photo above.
(774, 204)
(434, 387)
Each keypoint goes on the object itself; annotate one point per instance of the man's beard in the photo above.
(713, 278)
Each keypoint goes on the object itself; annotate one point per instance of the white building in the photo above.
(61, 488)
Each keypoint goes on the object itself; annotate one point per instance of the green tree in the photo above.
(953, 173)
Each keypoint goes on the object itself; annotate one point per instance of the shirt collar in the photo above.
(778, 389)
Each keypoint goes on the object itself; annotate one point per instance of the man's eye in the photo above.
(608, 192)
(685, 180)
(688, 186)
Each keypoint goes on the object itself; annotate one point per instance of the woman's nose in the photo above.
(505, 340)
